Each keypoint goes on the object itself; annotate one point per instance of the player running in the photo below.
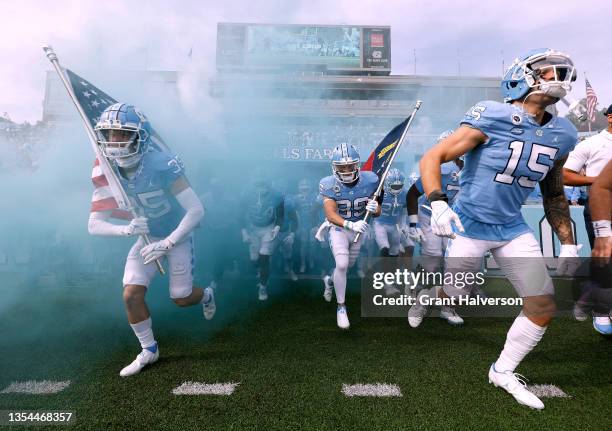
(509, 148)
(346, 198)
(170, 210)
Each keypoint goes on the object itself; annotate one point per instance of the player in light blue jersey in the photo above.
(509, 148)
(306, 206)
(169, 211)
(262, 218)
(347, 195)
(391, 222)
(419, 230)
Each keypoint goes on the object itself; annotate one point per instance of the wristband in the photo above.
(413, 219)
(437, 195)
(601, 228)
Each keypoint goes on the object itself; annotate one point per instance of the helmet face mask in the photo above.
(543, 71)
(122, 133)
(345, 163)
(394, 183)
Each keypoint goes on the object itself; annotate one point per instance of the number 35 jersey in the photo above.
(351, 200)
(499, 174)
(149, 191)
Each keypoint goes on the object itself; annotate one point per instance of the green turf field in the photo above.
(291, 361)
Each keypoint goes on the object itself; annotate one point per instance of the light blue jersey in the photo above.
(450, 184)
(351, 200)
(304, 205)
(149, 190)
(499, 174)
(261, 208)
(393, 207)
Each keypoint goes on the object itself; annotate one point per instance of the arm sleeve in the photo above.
(99, 225)
(194, 211)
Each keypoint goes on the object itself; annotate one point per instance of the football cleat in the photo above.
(602, 324)
(419, 310)
(450, 315)
(515, 385)
(580, 314)
(209, 307)
(342, 317)
(143, 359)
(292, 275)
(263, 292)
(329, 288)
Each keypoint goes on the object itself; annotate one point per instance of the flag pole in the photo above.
(122, 199)
(381, 183)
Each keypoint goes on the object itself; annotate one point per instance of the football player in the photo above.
(287, 237)
(305, 202)
(419, 230)
(346, 198)
(509, 147)
(156, 184)
(263, 218)
(392, 219)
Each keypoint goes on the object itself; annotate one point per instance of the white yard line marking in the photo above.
(36, 387)
(197, 388)
(371, 390)
(547, 391)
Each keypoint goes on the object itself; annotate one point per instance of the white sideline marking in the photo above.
(371, 390)
(36, 387)
(547, 391)
(197, 388)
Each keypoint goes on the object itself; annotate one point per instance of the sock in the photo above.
(144, 332)
(522, 337)
(339, 277)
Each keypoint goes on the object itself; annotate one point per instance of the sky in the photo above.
(468, 37)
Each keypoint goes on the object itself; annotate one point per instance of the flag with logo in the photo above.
(381, 156)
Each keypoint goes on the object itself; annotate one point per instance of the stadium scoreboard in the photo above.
(346, 49)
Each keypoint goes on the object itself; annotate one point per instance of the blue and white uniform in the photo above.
(351, 201)
(497, 178)
(149, 190)
(262, 210)
(386, 226)
(434, 245)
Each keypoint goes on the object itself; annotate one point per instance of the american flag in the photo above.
(94, 101)
(591, 101)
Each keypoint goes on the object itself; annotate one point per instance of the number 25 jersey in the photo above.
(499, 174)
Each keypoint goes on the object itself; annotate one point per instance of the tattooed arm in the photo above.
(556, 207)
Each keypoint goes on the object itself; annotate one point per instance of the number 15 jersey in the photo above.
(499, 174)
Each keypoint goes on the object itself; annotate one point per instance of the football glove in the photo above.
(442, 219)
(359, 226)
(416, 234)
(245, 235)
(568, 261)
(155, 250)
(137, 226)
(288, 240)
(372, 206)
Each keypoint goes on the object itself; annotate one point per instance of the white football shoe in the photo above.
(418, 311)
(580, 313)
(263, 292)
(602, 324)
(329, 288)
(143, 359)
(209, 308)
(292, 275)
(450, 315)
(515, 385)
(342, 317)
